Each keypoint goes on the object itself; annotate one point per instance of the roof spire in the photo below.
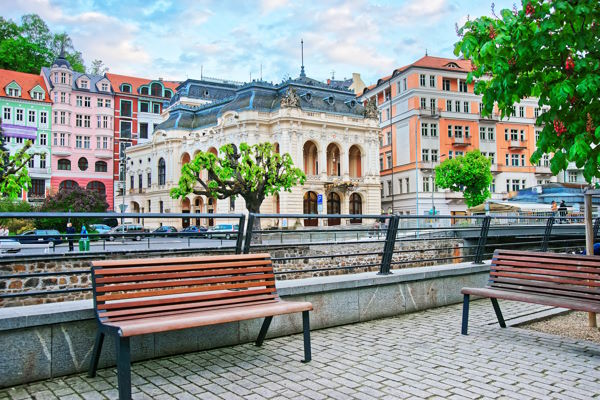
(425, 52)
(302, 74)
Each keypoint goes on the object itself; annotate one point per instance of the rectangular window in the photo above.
(432, 104)
(423, 103)
(99, 124)
(143, 130)
(537, 136)
(507, 160)
(107, 103)
(514, 160)
(79, 101)
(105, 122)
(407, 182)
(87, 101)
(381, 163)
(87, 123)
(448, 105)
(450, 154)
(482, 133)
(425, 155)
(449, 130)
(84, 84)
(19, 115)
(63, 97)
(572, 176)
(125, 108)
(467, 133)
(105, 87)
(126, 129)
(422, 80)
(105, 142)
(63, 139)
(6, 114)
(37, 189)
(404, 83)
(43, 118)
(522, 160)
(506, 135)
(156, 108)
(98, 142)
(457, 106)
(493, 186)
(515, 185)
(492, 157)
(514, 134)
(149, 178)
(536, 112)
(522, 135)
(43, 139)
(132, 182)
(433, 130)
(63, 77)
(424, 130)
(458, 131)
(31, 162)
(31, 116)
(79, 141)
(86, 142)
(462, 86)
(434, 155)
(389, 187)
(140, 181)
(432, 81)
(491, 133)
(426, 183)
(144, 106)
(389, 137)
(466, 106)
(100, 102)
(388, 159)
(446, 84)
(43, 160)
(522, 112)
(78, 120)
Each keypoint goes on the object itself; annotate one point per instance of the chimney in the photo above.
(160, 79)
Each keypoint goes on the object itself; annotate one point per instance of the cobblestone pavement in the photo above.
(420, 355)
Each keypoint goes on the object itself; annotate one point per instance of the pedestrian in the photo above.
(562, 210)
(70, 231)
(554, 208)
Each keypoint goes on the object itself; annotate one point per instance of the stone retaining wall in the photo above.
(335, 259)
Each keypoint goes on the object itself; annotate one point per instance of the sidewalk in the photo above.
(420, 355)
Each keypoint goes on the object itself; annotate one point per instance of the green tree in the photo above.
(252, 172)
(469, 174)
(549, 50)
(98, 67)
(15, 225)
(14, 176)
(75, 200)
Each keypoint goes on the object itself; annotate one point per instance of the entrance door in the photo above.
(333, 207)
(310, 207)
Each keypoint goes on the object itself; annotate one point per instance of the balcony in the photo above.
(39, 171)
(495, 168)
(542, 170)
(461, 141)
(517, 144)
(430, 112)
(492, 117)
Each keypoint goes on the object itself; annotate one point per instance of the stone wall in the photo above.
(335, 259)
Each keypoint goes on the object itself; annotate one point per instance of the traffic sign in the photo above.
(123, 207)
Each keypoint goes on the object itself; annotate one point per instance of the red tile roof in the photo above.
(26, 81)
(116, 81)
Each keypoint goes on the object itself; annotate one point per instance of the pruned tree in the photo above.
(252, 172)
(549, 50)
(14, 176)
(469, 174)
(98, 67)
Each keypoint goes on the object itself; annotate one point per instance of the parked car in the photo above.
(201, 230)
(9, 246)
(100, 228)
(226, 231)
(165, 229)
(129, 231)
(39, 236)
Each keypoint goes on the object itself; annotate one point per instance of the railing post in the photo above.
(483, 235)
(547, 234)
(240, 236)
(596, 228)
(388, 247)
(251, 218)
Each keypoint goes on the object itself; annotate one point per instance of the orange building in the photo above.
(428, 112)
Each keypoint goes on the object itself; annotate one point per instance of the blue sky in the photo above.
(174, 39)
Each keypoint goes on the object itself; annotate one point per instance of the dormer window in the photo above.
(12, 92)
(329, 100)
(144, 90)
(451, 65)
(84, 84)
(168, 94)
(37, 95)
(126, 88)
(206, 93)
(104, 87)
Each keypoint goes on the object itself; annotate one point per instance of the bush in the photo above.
(72, 200)
(15, 225)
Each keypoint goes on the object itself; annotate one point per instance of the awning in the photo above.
(19, 131)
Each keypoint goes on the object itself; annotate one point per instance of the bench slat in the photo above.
(540, 264)
(560, 292)
(183, 282)
(548, 272)
(544, 278)
(549, 285)
(178, 260)
(141, 269)
(559, 257)
(188, 274)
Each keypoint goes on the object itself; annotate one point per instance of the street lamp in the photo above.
(124, 162)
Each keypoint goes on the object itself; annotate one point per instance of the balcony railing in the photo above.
(430, 112)
(492, 117)
(461, 141)
(517, 144)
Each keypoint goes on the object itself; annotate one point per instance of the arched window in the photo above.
(126, 88)
(333, 160)
(162, 172)
(67, 185)
(156, 90)
(168, 94)
(144, 90)
(311, 163)
(354, 162)
(82, 164)
(355, 207)
(310, 207)
(101, 166)
(64, 164)
(333, 207)
(97, 186)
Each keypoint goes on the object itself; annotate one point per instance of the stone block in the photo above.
(381, 301)
(25, 355)
(333, 308)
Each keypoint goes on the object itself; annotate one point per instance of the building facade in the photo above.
(323, 129)
(26, 115)
(82, 134)
(428, 112)
(138, 105)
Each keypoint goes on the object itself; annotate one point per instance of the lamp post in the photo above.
(124, 162)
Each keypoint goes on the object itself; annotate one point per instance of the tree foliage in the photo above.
(31, 45)
(76, 200)
(549, 50)
(252, 172)
(14, 176)
(15, 225)
(469, 174)
(98, 67)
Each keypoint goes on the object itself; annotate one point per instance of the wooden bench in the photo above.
(141, 296)
(559, 280)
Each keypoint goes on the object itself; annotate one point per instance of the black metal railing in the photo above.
(300, 245)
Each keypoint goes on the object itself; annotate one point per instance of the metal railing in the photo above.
(300, 245)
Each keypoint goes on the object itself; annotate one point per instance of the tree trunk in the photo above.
(254, 208)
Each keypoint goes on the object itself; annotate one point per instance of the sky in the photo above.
(232, 39)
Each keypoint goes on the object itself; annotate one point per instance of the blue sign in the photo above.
(320, 199)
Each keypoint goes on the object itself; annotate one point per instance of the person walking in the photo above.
(554, 208)
(562, 210)
(70, 231)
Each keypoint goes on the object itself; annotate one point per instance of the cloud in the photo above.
(268, 6)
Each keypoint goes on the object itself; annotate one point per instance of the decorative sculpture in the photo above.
(290, 99)
(370, 110)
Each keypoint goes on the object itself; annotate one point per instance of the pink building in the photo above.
(82, 129)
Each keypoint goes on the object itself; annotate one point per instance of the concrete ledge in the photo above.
(48, 340)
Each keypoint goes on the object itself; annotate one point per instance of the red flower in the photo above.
(559, 127)
(529, 10)
(569, 64)
(492, 32)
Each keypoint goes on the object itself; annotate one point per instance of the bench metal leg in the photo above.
(96, 354)
(123, 367)
(263, 331)
(498, 312)
(306, 326)
(465, 316)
